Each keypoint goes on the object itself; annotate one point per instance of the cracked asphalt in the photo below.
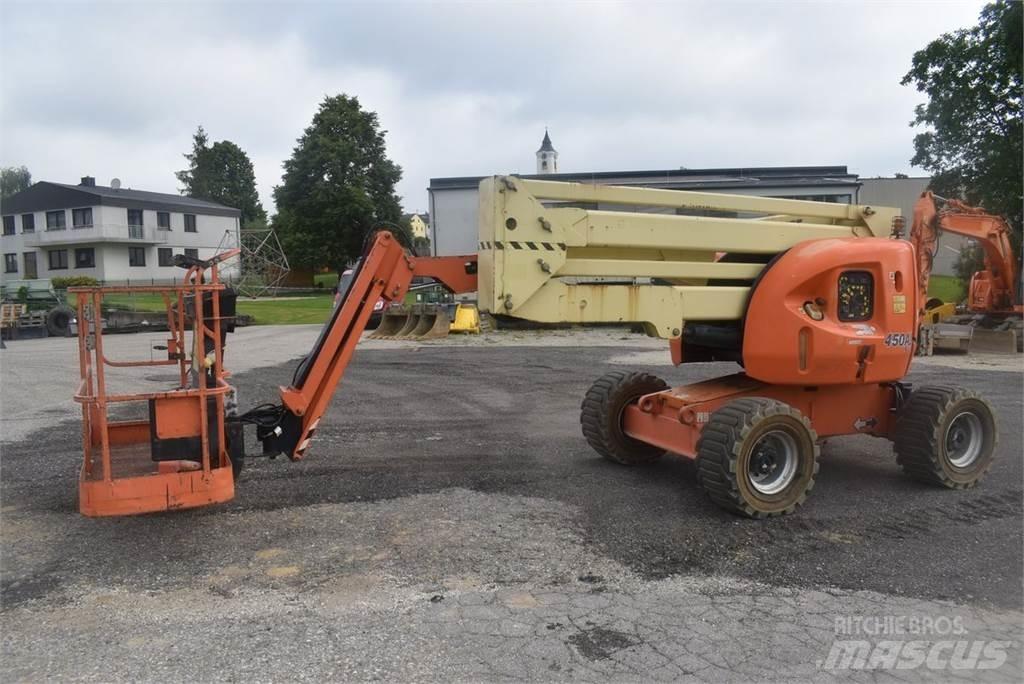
(451, 524)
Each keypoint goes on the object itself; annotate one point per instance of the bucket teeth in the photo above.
(421, 322)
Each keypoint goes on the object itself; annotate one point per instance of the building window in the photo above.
(190, 223)
(30, 266)
(28, 223)
(58, 259)
(136, 256)
(81, 218)
(8, 225)
(135, 224)
(55, 220)
(190, 252)
(10, 263)
(85, 257)
(164, 256)
(163, 220)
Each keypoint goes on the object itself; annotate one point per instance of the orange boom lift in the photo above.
(819, 308)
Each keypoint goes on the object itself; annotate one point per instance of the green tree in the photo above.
(338, 186)
(972, 142)
(222, 173)
(14, 179)
(970, 260)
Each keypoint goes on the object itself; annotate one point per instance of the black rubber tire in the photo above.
(58, 321)
(922, 428)
(725, 447)
(601, 416)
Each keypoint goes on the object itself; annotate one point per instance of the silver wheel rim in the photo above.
(773, 460)
(964, 439)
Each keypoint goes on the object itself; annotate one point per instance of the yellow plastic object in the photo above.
(936, 311)
(467, 319)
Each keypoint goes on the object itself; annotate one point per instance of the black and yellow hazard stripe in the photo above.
(534, 246)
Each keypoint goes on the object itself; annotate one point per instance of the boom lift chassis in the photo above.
(815, 301)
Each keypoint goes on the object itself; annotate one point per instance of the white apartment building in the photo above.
(113, 234)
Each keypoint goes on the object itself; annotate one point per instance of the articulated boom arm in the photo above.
(548, 249)
(385, 271)
(993, 290)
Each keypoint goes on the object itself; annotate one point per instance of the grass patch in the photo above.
(287, 311)
(946, 288)
(268, 311)
(325, 280)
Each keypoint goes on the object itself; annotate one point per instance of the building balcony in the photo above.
(106, 232)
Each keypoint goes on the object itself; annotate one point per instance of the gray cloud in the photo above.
(117, 89)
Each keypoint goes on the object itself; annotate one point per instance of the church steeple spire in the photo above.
(547, 156)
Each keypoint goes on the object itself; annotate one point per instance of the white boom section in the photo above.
(535, 247)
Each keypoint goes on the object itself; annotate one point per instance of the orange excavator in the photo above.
(993, 290)
(994, 293)
(818, 302)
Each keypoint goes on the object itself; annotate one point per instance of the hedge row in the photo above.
(60, 283)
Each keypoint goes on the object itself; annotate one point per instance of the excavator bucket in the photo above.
(427, 322)
(412, 321)
(391, 323)
(998, 341)
(421, 322)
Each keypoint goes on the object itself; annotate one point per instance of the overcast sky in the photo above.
(117, 89)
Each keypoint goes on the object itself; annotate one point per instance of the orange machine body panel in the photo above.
(153, 492)
(674, 419)
(177, 416)
(832, 312)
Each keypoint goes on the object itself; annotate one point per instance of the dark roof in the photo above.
(44, 195)
(545, 145)
(706, 179)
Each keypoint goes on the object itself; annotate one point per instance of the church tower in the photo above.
(547, 156)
